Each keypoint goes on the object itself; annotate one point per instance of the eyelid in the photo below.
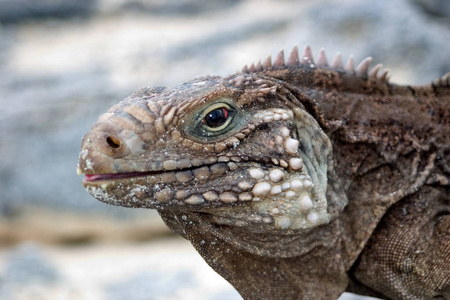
(213, 107)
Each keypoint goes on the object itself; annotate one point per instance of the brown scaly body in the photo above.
(293, 180)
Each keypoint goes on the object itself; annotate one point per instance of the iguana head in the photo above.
(240, 148)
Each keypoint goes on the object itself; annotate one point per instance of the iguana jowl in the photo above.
(293, 179)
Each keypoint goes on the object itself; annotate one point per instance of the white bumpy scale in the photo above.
(293, 197)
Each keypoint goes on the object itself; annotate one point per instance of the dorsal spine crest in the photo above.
(375, 75)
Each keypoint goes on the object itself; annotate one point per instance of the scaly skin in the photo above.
(293, 180)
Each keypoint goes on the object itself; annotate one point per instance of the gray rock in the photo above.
(150, 285)
(436, 8)
(20, 10)
(227, 295)
(177, 8)
(27, 264)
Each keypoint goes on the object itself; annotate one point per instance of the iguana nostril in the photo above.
(113, 142)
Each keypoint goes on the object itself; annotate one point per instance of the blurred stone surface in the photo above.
(168, 269)
(26, 267)
(27, 264)
(436, 8)
(12, 11)
(74, 229)
(138, 286)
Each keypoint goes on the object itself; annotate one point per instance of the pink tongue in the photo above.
(92, 177)
(96, 177)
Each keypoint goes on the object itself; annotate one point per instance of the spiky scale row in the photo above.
(376, 74)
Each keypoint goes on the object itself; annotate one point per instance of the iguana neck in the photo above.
(377, 129)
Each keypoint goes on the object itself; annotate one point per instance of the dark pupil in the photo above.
(216, 117)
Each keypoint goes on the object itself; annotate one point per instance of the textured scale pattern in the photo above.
(294, 179)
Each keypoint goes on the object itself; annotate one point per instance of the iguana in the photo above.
(293, 179)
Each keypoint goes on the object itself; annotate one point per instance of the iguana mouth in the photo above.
(205, 184)
(178, 176)
(113, 176)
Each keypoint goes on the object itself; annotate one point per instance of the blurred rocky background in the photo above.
(64, 62)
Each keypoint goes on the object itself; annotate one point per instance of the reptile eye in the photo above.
(216, 117)
(215, 121)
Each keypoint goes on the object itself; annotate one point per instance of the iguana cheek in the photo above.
(287, 198)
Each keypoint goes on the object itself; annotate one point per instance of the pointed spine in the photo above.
(442, 81)
(363, 67)
(293, 59)
(279, 60)
(373, 74)
(307, 57)
(350, 65)
(336, 62)
(258, 66)
(384, 75)
(267, 63)
(322, 58)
